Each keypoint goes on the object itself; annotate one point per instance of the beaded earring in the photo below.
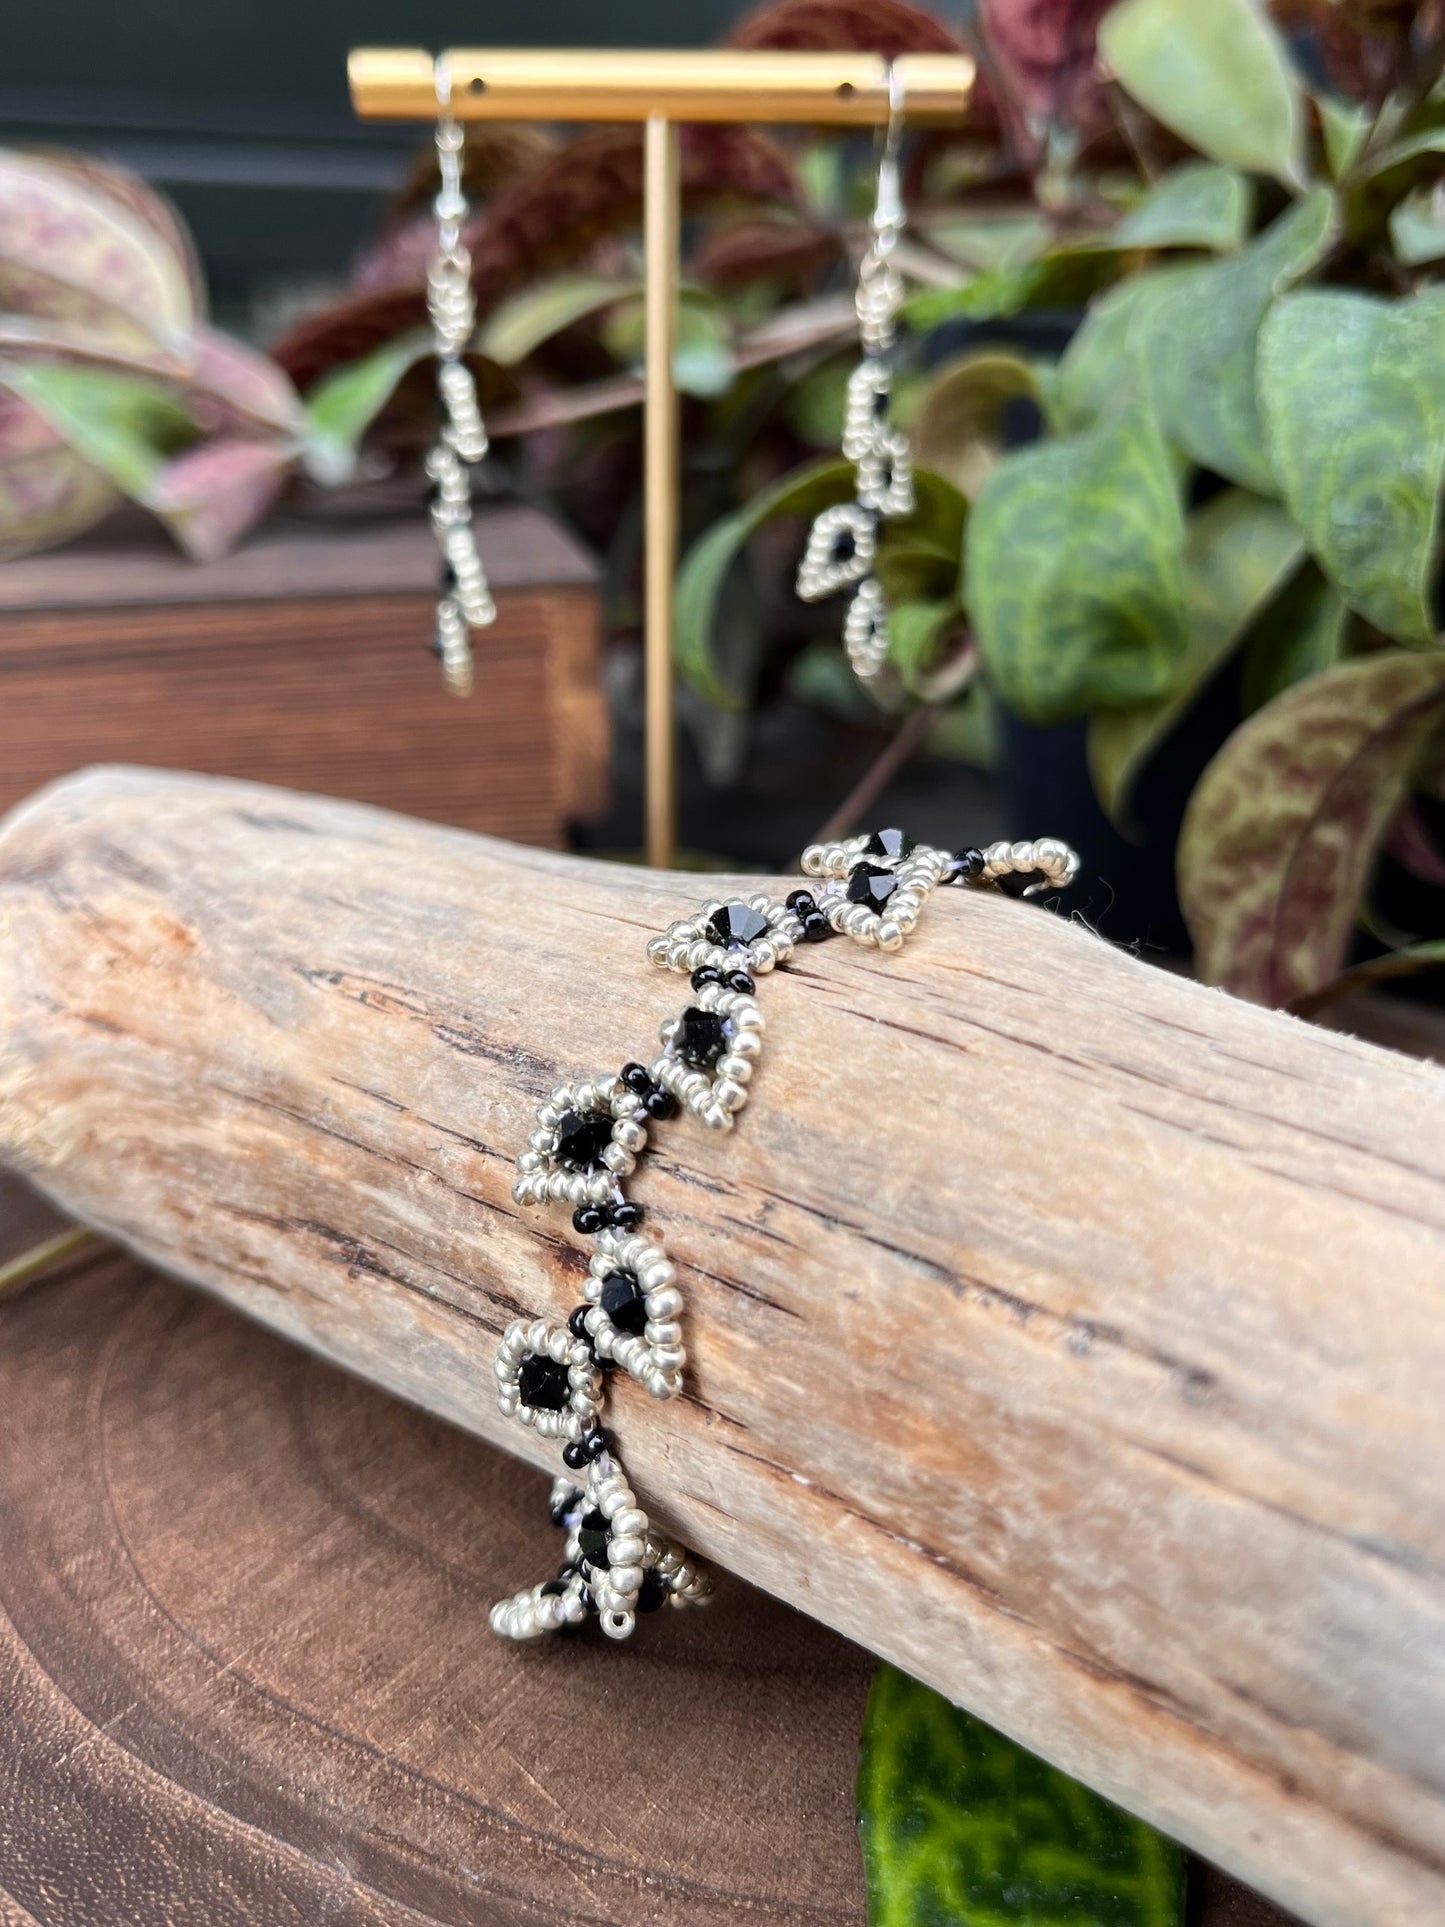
(843, 541)
(465, 602)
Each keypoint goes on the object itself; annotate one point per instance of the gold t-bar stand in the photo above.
(660, 90)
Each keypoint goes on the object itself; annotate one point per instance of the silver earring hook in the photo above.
(888, 216)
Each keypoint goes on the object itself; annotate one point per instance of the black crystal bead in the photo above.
(542, 1383)
(558, 1509)
(622, 1299)
(577, 1323)
(965, 867)
(869, 885)
(736, 924)
(800, 902)
(582, 1137)
(740, 981)
(626, 1216)
(816, 927)
(589, 1218)
(660, 1104)
(635, 1077)
(652, 1593)
(593, 1538)
(705, 974)
(701, 1039)
(895, 845)
(573, 1457)
(594, 1443)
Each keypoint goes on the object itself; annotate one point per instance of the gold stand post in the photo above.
(659, 89)
(661, 218)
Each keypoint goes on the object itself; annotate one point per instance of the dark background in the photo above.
(239, 111)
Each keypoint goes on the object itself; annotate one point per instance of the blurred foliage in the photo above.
(1230, 478)
(961, 1827)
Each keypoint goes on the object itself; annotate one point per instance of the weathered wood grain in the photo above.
(1071, 1334)
(245, 1674)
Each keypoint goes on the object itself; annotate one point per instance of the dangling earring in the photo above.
(466, 601)
(843, 540)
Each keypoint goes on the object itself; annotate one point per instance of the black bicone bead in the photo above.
(636, 1078)
(626, 1216)
(589, 1218)
(701, 1039)
(801, 902)
(816, 927)
(594, 1443)
(870, 885)
(736, 924)
(573, 1457)
(558, 1509)
(577, 1323)
(660, 1104)
(895, 845)
(542, 1383)
(582, 1137)
(622, 1299)
(705, 974)
(740, 981)
(652, 1594)
(964, 866)
(593, 1538)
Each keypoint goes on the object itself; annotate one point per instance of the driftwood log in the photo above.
(1070, 1334)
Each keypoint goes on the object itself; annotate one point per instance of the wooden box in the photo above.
(303, 660)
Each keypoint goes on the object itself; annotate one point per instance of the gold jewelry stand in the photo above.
(660, 89)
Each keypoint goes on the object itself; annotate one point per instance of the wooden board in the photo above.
(266, 1694)
(303, 659)
(1068, 1333)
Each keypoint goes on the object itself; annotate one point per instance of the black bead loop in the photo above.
(741, 982)
(577, 1323)
(635, 1077)
(625, 1216)
(705, 974)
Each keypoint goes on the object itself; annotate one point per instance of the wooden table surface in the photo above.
(245, 1673)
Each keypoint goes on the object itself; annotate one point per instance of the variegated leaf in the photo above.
(1283, 828)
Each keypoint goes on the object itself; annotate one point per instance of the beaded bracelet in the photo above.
(588, 1139)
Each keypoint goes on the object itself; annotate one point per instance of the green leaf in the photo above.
(1074, 571)
(1282, 830)
(1065, 277)
(1353, 395)
(962, 1828)
(917, 632)
(1104, 363)
(1238, 549)
(1299, 634)
(706, 565)
(959, 430)
(1345, 126)
(1199, 353)
(48, 493)
(1198, 205)
(1417, 231)
(518, 326)
(1217, 74)
(344, 404)
(125, 426)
